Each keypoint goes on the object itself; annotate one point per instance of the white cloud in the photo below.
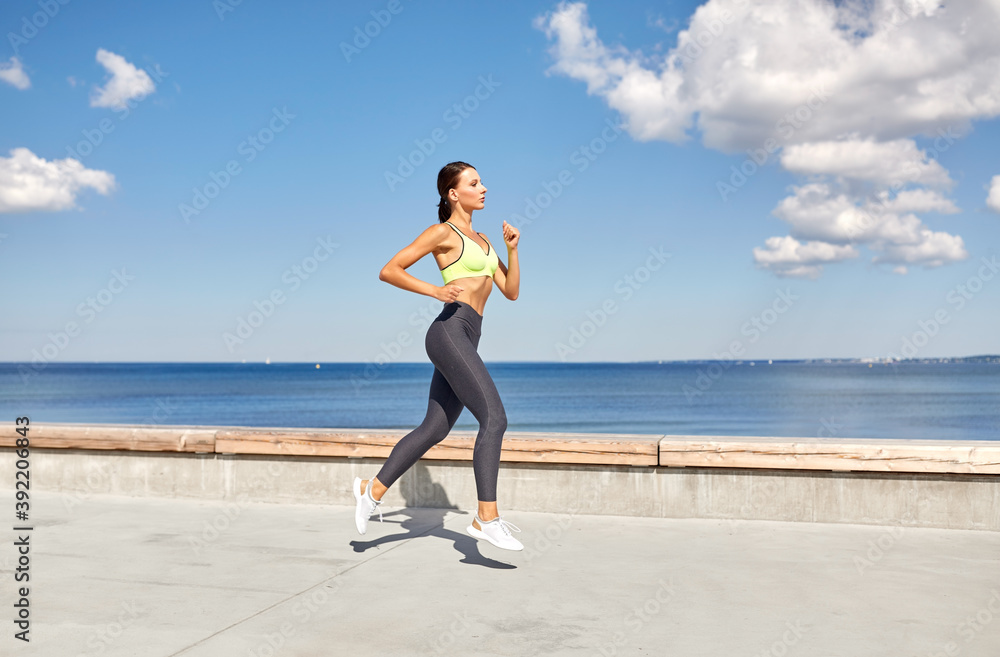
(932, 250)
(649, 100)
(993, 200)
(839, 89)
(919, 200)
(885, 163)
(29, 183)
(817, 211)
(126, 82)
(786, 256)
(13, 73)
(883, 69)
(661, 23)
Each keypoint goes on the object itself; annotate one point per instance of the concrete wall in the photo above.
(954, 501)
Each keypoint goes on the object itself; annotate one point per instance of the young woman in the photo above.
(460, 378)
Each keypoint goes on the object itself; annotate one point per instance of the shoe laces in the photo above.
(507, 526)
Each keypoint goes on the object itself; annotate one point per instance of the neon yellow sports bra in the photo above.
(472, 262)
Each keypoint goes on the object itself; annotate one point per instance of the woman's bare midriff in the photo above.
(475, 291)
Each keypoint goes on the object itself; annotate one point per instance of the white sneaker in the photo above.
(367, 505)
(497, 532)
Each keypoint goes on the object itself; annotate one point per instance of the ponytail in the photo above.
(447, 177)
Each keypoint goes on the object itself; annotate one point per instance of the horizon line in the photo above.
(858, 359)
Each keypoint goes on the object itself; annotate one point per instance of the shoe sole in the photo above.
(357, 501)
(475, 533)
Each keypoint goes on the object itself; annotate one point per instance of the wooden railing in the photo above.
(927, 456)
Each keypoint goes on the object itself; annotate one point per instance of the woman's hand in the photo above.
(510, 235)
(449, 292)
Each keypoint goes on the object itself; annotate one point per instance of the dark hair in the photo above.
(447, 178)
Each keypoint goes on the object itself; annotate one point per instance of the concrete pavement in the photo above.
(113, 575)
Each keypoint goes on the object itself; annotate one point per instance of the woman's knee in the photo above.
(497, 421)
(434, 428)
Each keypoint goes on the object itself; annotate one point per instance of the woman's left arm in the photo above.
(508, 279)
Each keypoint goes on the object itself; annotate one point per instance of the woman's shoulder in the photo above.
(437, 234)
(439, 228)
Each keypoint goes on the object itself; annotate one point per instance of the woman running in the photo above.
(460, 378)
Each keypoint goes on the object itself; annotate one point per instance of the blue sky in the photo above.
(100, 261)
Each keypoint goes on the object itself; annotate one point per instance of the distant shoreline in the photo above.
(990, 359)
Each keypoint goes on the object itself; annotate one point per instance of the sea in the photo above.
(837, 399)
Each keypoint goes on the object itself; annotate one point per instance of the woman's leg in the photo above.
(461, 379)
(443, 409)
(454, 351)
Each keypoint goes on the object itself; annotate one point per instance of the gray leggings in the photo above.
(460, 380)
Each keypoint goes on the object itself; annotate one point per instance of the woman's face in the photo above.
(470, 190)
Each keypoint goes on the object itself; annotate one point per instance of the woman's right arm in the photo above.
(394, 272)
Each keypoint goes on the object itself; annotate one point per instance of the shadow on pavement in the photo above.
(415, 519)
